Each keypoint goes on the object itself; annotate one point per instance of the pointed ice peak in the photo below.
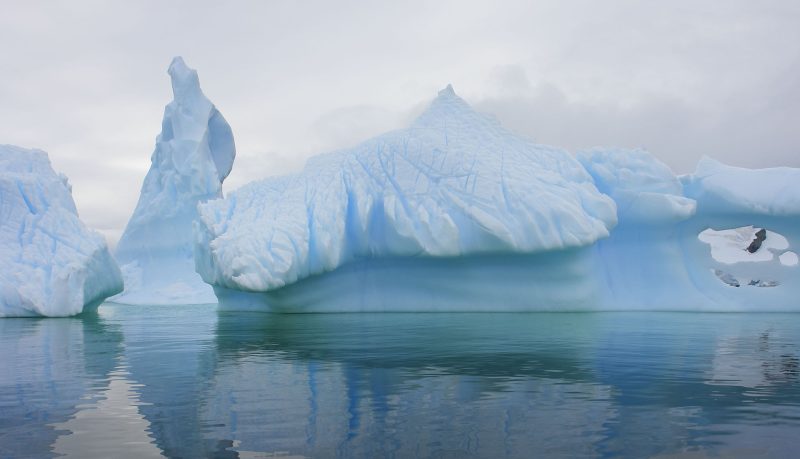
(448, 96)
(185, 82)
(448, 108)
(448, 91)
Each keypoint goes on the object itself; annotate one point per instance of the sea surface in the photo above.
(188, 381)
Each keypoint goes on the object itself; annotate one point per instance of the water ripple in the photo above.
(192, 382)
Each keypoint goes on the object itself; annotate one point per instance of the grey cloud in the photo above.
(86, 81)
(754, 129)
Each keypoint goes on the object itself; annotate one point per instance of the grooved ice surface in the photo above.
(362, 230)
(193, 155)
(455, 213)
(50, 263)
(453, 184)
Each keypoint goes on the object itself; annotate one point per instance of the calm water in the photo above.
(191, 382)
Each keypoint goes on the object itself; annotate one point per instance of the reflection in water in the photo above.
(110, 427)
(408, 385)
(191, 382)
(49, 370)
(769, 359)
(169, 352)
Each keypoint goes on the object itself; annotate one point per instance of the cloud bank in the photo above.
(86, 81)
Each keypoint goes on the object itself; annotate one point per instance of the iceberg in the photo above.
(453, 213)
(194, 153)
(456, 213)
(51, 264)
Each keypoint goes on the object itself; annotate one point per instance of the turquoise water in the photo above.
(191, 382)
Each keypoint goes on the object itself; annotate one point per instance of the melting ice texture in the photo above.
(50, 263)
(193, 155)
(457, 213)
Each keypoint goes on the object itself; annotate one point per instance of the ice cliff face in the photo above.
(193, 155)
(50, 263)
(453, 184)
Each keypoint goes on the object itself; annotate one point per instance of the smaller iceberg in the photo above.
(193, 155)
(51, 264)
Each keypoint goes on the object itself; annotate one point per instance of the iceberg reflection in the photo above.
(192, 382)
(51, 370)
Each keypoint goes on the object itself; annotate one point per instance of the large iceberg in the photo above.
(193, 155)
(453, 213)
(50, 263)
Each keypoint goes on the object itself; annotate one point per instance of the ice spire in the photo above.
(194, 153)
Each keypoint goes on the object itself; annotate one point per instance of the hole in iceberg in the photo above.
(733, 281)
(726, 278)
(788, 258)
(747, 244)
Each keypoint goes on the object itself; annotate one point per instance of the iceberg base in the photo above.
(163, 281)
(550, 281)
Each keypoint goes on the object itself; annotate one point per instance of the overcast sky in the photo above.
(86, 80)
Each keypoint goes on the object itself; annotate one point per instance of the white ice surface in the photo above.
(453, 184)
(727, 189)
(193, 155)
(50, 263)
